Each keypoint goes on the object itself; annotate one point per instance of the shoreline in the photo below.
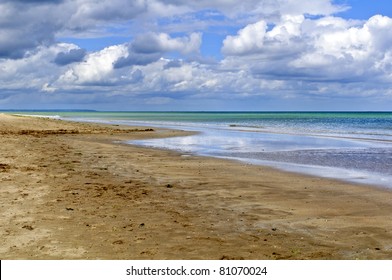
(341, 173)
(72, 191)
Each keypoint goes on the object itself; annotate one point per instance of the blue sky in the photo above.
(196, 55)
(364, 9)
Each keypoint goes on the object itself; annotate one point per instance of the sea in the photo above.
(349, 146)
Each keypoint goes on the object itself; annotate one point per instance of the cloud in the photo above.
(25, 25)
(136, 76)
(24, 28)
(248, 39)
(88, 14)
(97, 68)
(173, 64)
(351, 52)
(325, 49)
(116, 65)
(133, 58)
(33, 73)
(74, 55)
(317, 7)
(150, 47)
(280, 48)
(265, 8)
(256, 38)
(35, 1)
(162, 42)
(48, 88)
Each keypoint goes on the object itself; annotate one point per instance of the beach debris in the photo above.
(4, 167)
(118, 242)
(46, 132)
(169, 186)
(226, 257)
(69, 209)
(127, 226)
(142, 225)
(28, 227)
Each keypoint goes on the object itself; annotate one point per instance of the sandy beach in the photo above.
(74, 191)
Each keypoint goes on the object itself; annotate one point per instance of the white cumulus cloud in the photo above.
(313, 49)
(97, 68)
(248, 39)
(256, 38)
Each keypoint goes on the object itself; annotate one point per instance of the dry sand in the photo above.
(70, 191)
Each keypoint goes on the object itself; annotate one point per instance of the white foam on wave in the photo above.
(57, 117)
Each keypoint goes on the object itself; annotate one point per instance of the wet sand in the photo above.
(74, 191)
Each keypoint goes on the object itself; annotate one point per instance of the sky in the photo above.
(221, 55)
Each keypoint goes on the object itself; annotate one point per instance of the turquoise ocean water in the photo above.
(353, 146)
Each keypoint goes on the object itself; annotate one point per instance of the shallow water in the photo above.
(354, 160)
